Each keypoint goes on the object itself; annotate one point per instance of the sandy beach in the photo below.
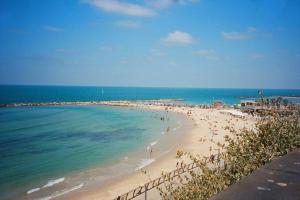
(208, 128)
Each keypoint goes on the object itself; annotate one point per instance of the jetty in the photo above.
(110, 103)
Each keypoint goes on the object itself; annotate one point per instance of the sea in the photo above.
(48, 152)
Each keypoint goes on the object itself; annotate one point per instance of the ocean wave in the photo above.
(53, 182)
(63, 192)
(143, 163)
(154, 143)
(151, 145)
(33, 190)
(48, 184)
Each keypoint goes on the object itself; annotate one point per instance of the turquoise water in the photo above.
(76, 93)
(40, 144)
(53, 150)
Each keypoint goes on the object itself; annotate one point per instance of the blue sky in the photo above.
(166, 43)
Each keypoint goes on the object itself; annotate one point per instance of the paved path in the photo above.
(278, 180)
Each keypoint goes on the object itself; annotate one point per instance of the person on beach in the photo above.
(168, 129)
(149, 148)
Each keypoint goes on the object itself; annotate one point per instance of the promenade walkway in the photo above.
(278, 180)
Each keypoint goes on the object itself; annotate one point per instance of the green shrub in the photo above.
(273, 136)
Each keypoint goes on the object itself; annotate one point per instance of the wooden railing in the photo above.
(156, 182)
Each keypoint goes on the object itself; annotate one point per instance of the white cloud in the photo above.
(72, 62)
(178, 37)
(280, 28)
(67, 51)
(52, 29)
(128, 23)
(166, 3)
(121, 7)
(156, 52)
(159, 3)
(172, 63)
(207, 53)
(124, 61)
(17, 31)
(127, 7)
(234, 35)
(257, 56)
(106, 48)
(251, 29)
(281, 50)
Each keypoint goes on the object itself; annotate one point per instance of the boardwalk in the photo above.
(278, 180)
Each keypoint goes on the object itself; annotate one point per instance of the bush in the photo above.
(273, 136)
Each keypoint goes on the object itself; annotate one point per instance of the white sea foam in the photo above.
(162, 132)
(63, 192)
(153, 143)
(48, 184)
(33, 190)
(143, 163)
(178, 127)
(53, 182)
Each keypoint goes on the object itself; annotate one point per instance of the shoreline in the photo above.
(200, 139)
(97, 176)
(136, 173)
(202, 128)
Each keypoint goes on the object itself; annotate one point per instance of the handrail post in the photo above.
(146, 189)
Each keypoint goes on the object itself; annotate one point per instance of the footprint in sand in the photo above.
(263, 188)
(282, 184)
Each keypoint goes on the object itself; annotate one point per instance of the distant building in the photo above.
(251, 106)
(247, 103)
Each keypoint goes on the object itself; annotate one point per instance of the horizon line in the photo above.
(127, 86)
